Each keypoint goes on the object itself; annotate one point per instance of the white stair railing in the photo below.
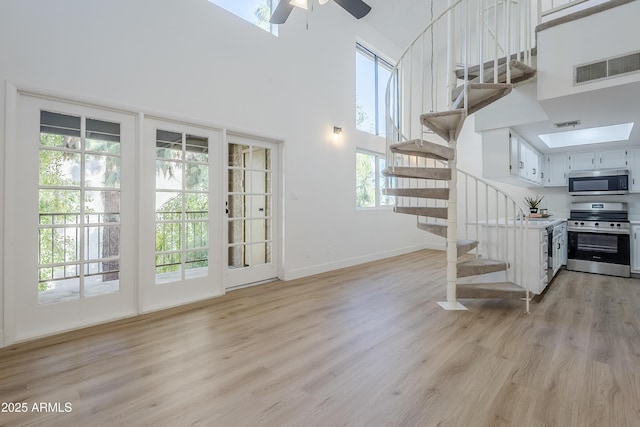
(496, 220)
(466, 33)
(475, 32)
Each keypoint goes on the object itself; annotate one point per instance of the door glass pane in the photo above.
(249, 205)
(59, 168)
(182, 206)
(79, 227)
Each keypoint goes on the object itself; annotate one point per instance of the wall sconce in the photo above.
(337, 134)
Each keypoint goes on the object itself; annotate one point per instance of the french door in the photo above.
(181, 181)
(72, 222)
(252, 210)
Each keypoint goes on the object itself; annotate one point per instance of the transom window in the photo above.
(257, 12)
(372, 75)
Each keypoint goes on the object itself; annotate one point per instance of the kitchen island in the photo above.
(544, 249)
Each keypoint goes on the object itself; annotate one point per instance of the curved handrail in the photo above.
(467, 26)
(494, 188)
(389, 118)
(473, 32)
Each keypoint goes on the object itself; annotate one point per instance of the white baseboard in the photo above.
(350, 262)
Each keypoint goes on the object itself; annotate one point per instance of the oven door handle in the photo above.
(616, 232)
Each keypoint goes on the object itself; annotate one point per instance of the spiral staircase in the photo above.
(488, 50)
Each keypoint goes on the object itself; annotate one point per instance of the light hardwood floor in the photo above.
(363, 346)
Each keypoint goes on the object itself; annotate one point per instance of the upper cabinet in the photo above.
(507, 157)
(609, 159)
(612, 159)
(558, 166)
(634, 170)
(582, 161)
(556, 170)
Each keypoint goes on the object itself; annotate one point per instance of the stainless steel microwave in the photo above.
(599, 182)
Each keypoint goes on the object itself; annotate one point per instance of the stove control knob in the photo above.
(596, 224)
(582, 223)
(575, 223)
(618, 225)
(613, 225)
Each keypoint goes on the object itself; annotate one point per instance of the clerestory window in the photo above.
(257, 12)
(372, 75)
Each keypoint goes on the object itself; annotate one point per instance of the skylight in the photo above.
(595, 135)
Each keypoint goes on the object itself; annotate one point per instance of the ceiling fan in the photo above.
(357, 8)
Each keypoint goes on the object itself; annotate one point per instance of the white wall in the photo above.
(3, 127)
(193, 60)
(608, 34)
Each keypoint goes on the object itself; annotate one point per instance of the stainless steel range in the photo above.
(599, 238)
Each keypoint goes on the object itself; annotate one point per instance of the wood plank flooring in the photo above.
(363, 346)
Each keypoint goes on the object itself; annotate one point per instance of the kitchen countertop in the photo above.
(534, 223)
(545, 222)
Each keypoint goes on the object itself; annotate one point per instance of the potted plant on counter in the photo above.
(533, 203)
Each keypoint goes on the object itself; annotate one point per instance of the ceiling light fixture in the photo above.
(620, 132)
(323, 1)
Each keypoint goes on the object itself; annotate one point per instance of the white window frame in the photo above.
(379, 181)
(378, 62)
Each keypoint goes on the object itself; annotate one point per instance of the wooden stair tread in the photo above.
(465, 246)
(474, 71)
(443, 174)
(422, 148)
(501, 290)
(479, 266)
(422, 211)
(479, 95)
(424, 193)
(442, 123)
(519, 72)
(437, 229)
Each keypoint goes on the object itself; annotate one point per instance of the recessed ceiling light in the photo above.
(595, 135)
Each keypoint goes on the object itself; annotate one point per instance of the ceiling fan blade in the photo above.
(357, 8)
(282, 12)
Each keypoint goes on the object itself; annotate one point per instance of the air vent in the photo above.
(607, 68)
(572, 123)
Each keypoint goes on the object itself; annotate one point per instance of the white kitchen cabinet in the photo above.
(556, 167)
(564, 248)
(535, 256)
(609, 159)
(634, 170)
(507, 157)
(612, 159)
(559, 247)
(582, 161)
(635, 248)
(529, 162)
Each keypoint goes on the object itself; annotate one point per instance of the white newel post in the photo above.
(452, 227)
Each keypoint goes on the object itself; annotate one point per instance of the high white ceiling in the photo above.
(402, 20)
(399, 20)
